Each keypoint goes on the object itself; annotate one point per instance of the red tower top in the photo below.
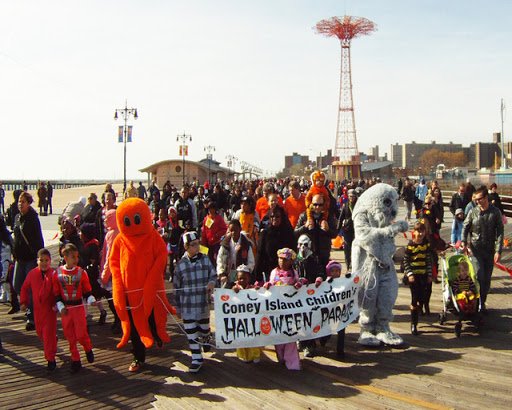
(346, 153)
(345, 28)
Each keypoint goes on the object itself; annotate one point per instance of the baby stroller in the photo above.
(450, 266)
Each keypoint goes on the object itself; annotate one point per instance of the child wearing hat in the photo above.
(457, 225)
(194, 279)
(246, 354)
(284, 274)
(332, 271)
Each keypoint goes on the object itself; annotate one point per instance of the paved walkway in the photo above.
(437, 371)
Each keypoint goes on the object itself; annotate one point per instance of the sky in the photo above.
(250, 78)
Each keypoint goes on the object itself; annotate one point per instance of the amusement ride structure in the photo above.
(346, 163)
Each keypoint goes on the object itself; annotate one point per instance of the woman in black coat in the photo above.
(278, 235)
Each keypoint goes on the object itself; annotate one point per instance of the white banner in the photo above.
(282, 314)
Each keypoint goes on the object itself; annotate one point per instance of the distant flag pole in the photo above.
(503, 159)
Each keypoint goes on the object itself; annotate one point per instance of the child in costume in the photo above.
(284, 274)
(308, 266)
(194, 280)
(333, 271)
(318, 188)
(464, 289)
(418, 268)
(70, 286)
(246, 354)
(39, 283)
(309, 269)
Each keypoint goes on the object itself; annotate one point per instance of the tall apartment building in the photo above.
(295, 159)
(408, 155)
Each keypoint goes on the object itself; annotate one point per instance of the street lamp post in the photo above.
(208, 149)
(184, 149)
(125, 134)
(231, 162)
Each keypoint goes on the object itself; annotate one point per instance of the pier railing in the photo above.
(12, 185)
(506, 201)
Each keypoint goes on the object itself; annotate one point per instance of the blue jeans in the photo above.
(21, 270)
(484, 273)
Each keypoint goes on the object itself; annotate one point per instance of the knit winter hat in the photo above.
(286, 253)
(332, 265)
(459, 211)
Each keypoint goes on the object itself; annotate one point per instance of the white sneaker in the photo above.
(389, 338)
(5, 295)
(367, 338)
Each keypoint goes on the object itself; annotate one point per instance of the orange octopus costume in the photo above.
(137, 259)
(318, 188)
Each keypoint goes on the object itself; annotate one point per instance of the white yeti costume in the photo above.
(372, 259)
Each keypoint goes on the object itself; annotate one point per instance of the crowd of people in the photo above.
(233, 235)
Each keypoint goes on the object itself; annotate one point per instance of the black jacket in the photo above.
(28, 237)
(346, 223)
(271, 240)
(484, 229)
(458, 201)
(89, 213)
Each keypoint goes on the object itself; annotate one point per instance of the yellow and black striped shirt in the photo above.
(418, 258)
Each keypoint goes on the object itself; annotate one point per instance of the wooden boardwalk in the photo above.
(437, 371)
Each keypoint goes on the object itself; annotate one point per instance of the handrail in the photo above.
(506, 201)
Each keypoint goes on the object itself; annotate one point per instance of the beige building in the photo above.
(176, 171)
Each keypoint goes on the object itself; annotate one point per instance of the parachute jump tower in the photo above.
(346, 163)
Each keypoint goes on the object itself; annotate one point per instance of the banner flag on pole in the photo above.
(120, 134)
(283, 314)
(129, 139)
(183, 150)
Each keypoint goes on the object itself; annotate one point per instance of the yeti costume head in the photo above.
(379, 203)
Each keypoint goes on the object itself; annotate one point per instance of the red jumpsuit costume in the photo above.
(45, 317)
(137, 259)
(69, 287)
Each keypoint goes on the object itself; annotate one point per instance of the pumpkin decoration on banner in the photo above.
(265, 325)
